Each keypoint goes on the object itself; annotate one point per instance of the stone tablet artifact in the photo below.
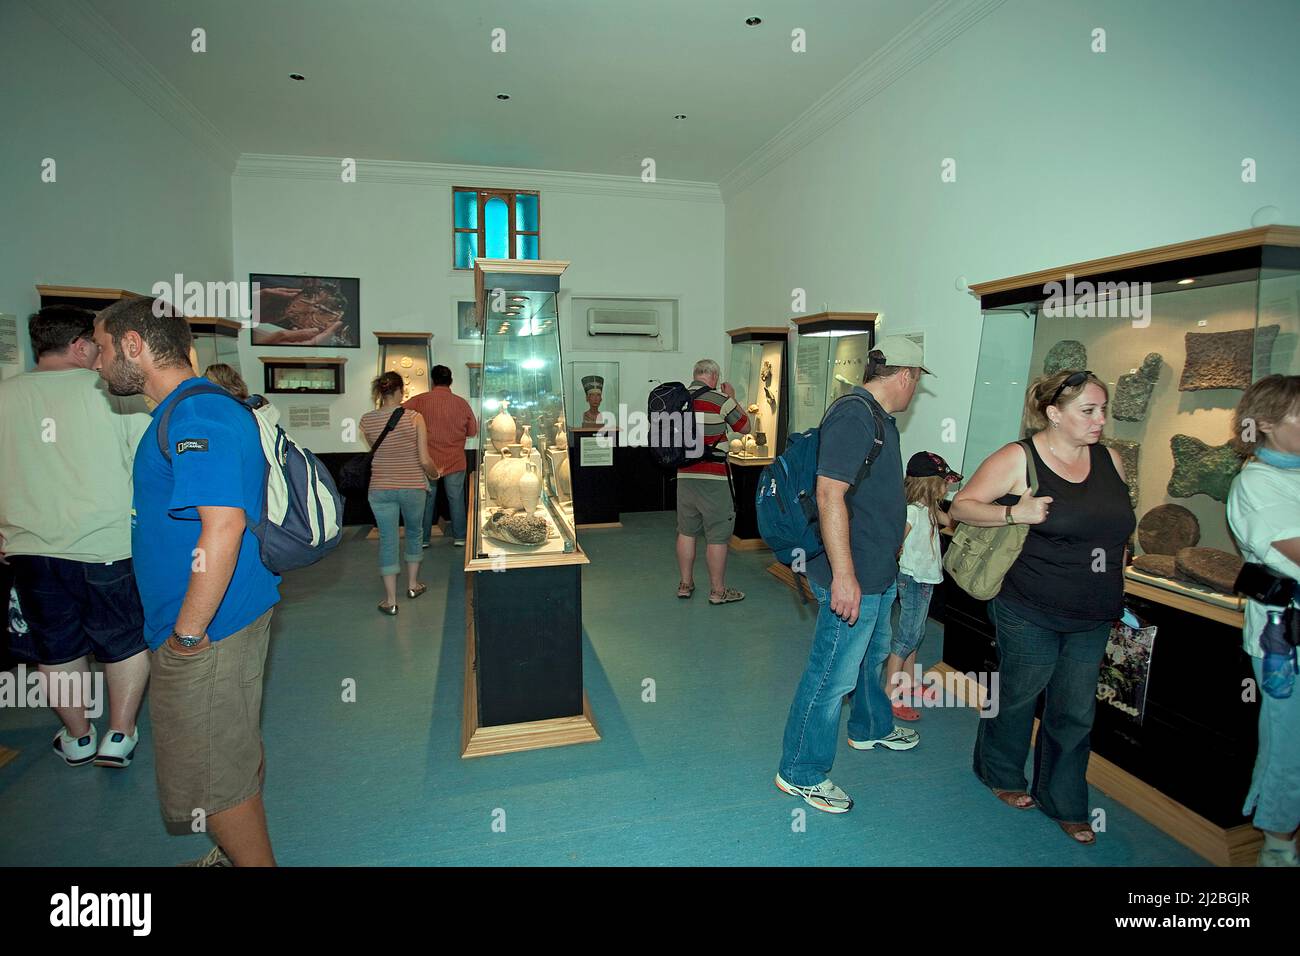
(1167, 529)
(1065, 354)
(1201, 469)
(1128, 454)
(1133, 391)
(1225, 359)
(1210, 566)
(1161, 565)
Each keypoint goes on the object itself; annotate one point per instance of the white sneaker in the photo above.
(1279, 857)
(825, 796)
(117, 749)
(76, 751)
(459, 542)
(900, 739)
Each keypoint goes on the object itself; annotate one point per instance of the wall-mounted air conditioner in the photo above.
(622, 322)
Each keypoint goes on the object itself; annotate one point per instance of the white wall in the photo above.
(392, 230)
(135, 200)
(1062, 155)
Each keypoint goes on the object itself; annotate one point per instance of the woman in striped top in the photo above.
(398, 484)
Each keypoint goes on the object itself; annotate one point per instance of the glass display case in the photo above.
(306, 375)
(830, 357)
(524, 499)
(756, 370)
(410, 355)
(215, 341)
(1176, 334)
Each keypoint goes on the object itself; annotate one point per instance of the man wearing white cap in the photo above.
(862, 526)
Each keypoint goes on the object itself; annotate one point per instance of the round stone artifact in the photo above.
(1167, 529)
(1209, 566)
(1161, 565)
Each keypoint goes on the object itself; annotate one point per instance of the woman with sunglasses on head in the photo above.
(1058, 600)
(1264, 515)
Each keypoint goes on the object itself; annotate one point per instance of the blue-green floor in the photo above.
(684, 780)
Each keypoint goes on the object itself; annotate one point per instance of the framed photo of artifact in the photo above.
(305, 311)
(469, 328)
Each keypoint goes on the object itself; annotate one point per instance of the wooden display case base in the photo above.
(794, 582)
(477, 741)
(748, 544)
(1233, 846)
(602, 524)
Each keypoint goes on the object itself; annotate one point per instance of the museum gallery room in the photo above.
(680, 433)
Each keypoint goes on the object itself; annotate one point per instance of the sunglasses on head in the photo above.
(1074, 381)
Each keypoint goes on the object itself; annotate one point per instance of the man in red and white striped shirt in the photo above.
(704, 502)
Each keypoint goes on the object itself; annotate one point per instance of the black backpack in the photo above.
(671, 406)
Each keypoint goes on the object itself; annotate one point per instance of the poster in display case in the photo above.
(829, 358)
(410, 355)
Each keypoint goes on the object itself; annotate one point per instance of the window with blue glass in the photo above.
(494, 224)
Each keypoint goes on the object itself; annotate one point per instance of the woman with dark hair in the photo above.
(399, 475)
(1264, 515)
(1058, 600)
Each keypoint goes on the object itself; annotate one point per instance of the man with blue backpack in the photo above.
(859, 519)
(207, 593)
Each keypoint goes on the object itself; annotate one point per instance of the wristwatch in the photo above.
(187, 640)
(1010, 520)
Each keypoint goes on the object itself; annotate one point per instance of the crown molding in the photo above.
(393, 172)
(942, 23)
(96, 37)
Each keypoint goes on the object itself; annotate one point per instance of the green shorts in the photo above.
(705, 507)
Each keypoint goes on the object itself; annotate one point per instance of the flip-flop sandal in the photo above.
(685, 590)
(726, 596)
(1011, 798)
(1075, 830)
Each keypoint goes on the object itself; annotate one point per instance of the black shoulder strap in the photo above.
(1031, 470)
(392, 423)
(164, 443)
(877, 441)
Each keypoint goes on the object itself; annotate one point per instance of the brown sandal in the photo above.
(1013, 798)
(726, 596)
(1076, 830)
(685, 590)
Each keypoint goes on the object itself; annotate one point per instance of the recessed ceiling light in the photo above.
(296, 76)
(1186, 281)
(503, 96)
(753, 21)
(680, 116)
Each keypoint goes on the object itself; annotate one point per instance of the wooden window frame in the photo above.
(483, 196)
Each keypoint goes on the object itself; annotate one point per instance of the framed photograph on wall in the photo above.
(306, 311)
(469, 331)
(593, 390)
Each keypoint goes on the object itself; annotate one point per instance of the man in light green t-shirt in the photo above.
(66, 448)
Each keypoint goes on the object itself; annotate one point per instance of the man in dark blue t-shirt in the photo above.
(862, 527)
(207, 596)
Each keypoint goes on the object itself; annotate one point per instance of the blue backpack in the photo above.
(786, 501)
(302, 512)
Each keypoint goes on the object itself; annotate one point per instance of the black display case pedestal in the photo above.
(745, 473)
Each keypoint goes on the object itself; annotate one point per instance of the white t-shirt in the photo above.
(66, 450)
(1263, 507)
(920, 558)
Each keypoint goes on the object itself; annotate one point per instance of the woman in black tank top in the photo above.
(1058, 601)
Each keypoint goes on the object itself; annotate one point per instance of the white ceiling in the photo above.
(594, 84)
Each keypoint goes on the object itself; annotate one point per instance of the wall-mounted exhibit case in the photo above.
(216, 341)
(829, 356)
(756, 370)
(305, 375)
(1177, 333)
(83, 297)
(523, 678)
(410, 355)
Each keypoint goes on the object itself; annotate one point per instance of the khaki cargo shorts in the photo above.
(206, 712)
(704, 507)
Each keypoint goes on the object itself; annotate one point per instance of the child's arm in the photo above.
(945, 520)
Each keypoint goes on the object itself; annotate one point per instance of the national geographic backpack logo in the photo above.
(191, 444)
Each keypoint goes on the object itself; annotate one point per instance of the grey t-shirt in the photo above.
(877, 506)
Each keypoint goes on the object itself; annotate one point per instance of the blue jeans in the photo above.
(454, 485)
(843, 659)
(390, 505)
(914, 605)
(1275, 785)
(1064, 663)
